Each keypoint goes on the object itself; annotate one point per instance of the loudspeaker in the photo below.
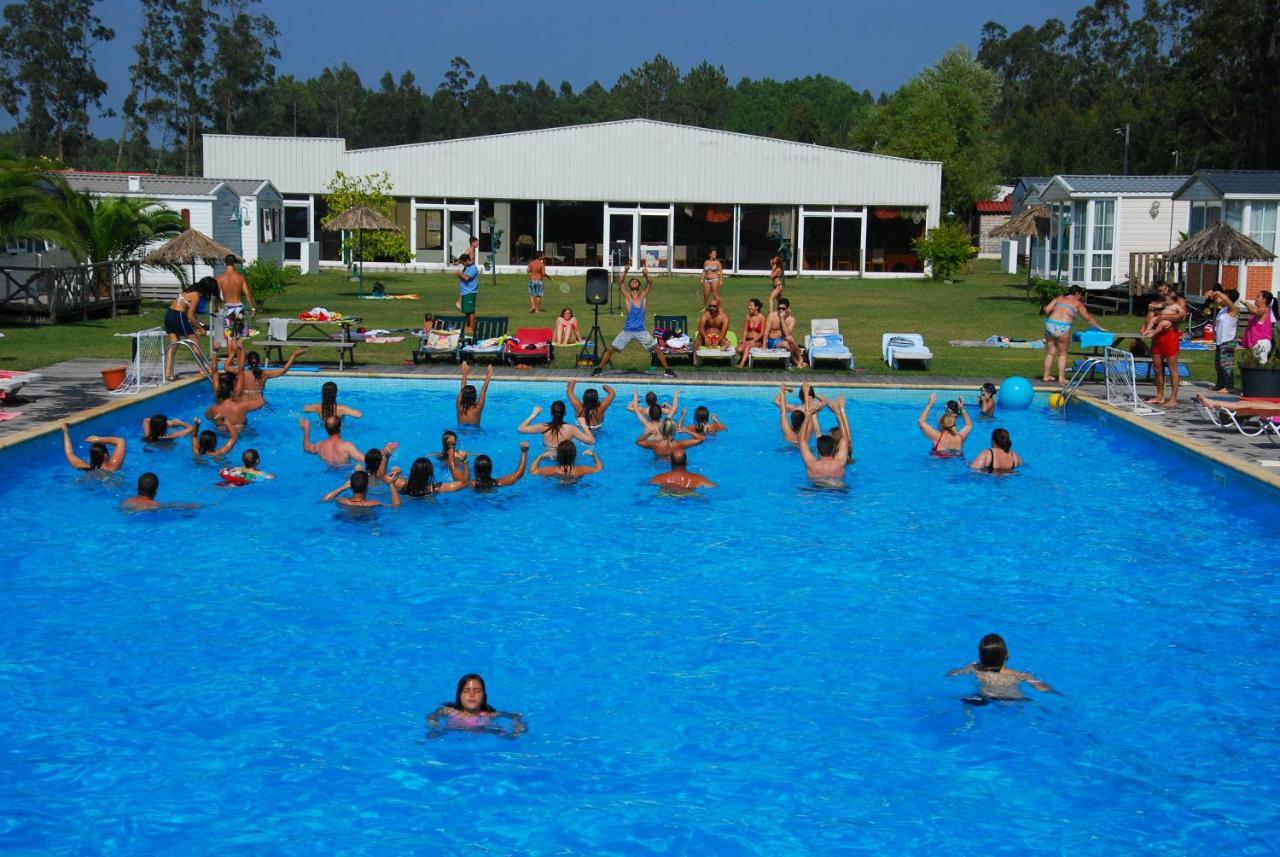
(597, 286)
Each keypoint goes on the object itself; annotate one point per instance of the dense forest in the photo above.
(1196, 83)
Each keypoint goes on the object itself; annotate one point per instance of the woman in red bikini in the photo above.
(752, 332)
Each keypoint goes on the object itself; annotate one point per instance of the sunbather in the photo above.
(566, 469)
(752, 332)
(1242, 408)
(105, 453)
(470, 406)
(947, 440)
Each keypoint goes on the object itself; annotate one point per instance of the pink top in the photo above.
(1257, 329)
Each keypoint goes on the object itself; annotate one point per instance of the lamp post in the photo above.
(1124, 132)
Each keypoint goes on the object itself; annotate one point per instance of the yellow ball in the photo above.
(1056, 400)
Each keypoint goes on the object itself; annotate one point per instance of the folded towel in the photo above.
(383, 340)
(678, 342)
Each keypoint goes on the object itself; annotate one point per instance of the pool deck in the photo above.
(73, 391)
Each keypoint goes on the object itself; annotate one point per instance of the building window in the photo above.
(1262, 224)
(573, 233)
(1079, 237)
(1202, 215)
(890, 232)
(1233, 215)
(1104, 235)
(764, 232)
(699, 229)
(523, 237)
(269, 225)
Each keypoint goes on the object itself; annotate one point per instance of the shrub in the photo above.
(267, 279)
(946, 249)
(1047, 290)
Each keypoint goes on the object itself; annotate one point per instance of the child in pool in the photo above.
(995, 681)
(248, 472)
(470, 711)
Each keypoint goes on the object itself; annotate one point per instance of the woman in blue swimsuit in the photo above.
(1061, 314)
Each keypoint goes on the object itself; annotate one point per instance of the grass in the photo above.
(976, 306)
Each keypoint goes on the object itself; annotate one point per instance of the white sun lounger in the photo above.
(728, 352)
(824, 342)
(782, 355)
(12, 382)
(904, 346)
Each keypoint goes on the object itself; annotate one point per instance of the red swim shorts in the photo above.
(1166, 343)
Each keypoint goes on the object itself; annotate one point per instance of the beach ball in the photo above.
(1057, 400)
(1015, 393)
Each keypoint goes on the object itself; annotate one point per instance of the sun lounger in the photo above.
(896, 347)
(672, 324)
(444, 339)
(824, 342)
(489, 343)
(530, 345)
(11, 382)
(728, 351)
(769, 355)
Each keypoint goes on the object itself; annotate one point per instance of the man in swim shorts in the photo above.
(1166, 343)
(779, 332)
(537, 270)
(468, 287)
(713, 326)
(235, 294)
(633, 329)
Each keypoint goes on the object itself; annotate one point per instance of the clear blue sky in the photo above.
(869, 45)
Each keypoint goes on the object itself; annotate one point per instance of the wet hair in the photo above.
(755, 302)
(156, 427)
(226, 386)
(797, 419)
(590, 403)
(467, 398)
(679, 458)
(992, 653)
(254, 361)
(1000, 438)
(333, 425)
(947, 422)
(651, 398)
(148, 485)
(953, 406)
(360, 482)
(566, 453)
(655, 412)
(97, 455)
(207, 441)
(483, 477)
(556, 423)
(249, 458)
(667, 428)
(988, 388)
(701, 416)
(373, 460)
(444, 440)
(826, 446)
(328, 399)
(484, 693)
(422, 476)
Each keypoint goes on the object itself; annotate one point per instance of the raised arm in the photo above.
(388, 450)
(582, 431)
(788, 433)
(184, 429)
(466, 371)
(513, 478)
(609, 395)
(806, 431)
(964, 415)
(69, 450)
(395, 494)
(116, 461)
(306, 434)
(195, 437)
(542, 471)
(335, 492)
(648, 281)
(573, 399)
(929, 431)
(596, 464)
(231, 441)
(484, 388)
(846, 437)
(288, 364)
(528, 427)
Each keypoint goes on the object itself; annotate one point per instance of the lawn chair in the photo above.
(727, 352)
(1249, 425)
(824, 342)
(672, 326)
(897, 347)
(769, 355)
(11, 381)
(530, 345)
(488, 339)
(444, 339)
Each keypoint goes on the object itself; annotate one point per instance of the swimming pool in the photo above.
(754, 670)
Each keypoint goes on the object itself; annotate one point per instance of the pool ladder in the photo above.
(1084, 370)
(196, 354)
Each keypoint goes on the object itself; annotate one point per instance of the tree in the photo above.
(48, 81)
(373, 191)
(144, 108)
(944, 114)
(187, 72)
(651, 91)
(23, 190)
(245, 45)
(704, 97)
(946, 249)
(103, 229)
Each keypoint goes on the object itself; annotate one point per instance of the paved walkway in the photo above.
(76, 385)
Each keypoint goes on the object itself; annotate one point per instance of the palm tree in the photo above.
(103, 229)
(23, 189)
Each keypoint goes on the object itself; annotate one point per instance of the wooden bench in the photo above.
(347, 349)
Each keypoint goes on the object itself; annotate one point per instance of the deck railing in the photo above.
(50, 295)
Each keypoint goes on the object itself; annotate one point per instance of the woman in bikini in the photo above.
(712, 279)
(421, 481)
(779, 280)
(180, 320)
(1060, 315)
(665, 443)
(948, 442)
(556, 429)
(752, 332)
(252, 386)
(590, 409)
(470, 406)
(1000, 458)
(328, 405)
(566, 329)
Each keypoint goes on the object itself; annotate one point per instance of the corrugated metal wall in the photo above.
(631, 161)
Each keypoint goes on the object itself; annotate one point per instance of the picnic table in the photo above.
(312, 333)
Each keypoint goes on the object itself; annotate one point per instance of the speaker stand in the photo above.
(590, 353)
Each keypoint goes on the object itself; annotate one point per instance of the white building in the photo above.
(1246, 200)
(596, 194)
(244, 215)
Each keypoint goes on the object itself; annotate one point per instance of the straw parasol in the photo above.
(1030, 221)
(190, 247)
(1221, 243)
(359, 218)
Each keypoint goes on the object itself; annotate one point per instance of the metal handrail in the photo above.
(196, 353)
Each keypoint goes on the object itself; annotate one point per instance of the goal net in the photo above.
(1122, 383)
(147, 367)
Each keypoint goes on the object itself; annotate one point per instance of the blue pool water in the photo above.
(756, 670)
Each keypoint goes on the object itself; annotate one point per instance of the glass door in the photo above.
(654, 239)
(638, 234)
(621, 238)
(460, 227)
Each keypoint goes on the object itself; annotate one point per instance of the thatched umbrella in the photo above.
(359, 218)
(1030, 221)
(1219, 243)
(190, 247)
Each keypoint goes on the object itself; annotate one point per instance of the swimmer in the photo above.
(328, 405)
(358, 485)
(827, 467)
(376, 460)
(100, 458)
(1000, 458)
(987, 400)
(649, 420)
(156, 429)
(995, 682)
(791, 419)
(206, 442)
(449, 447)
(469, 406)
(145, 500)
(678, 478)
(248, 471)
(421, 481)
(253, 383)
(704, 422)
(668, 408)
(665, 444)
(556, 429)
(590, 408)
(470, 711)
(333, 450)
(565, 469)
(228, 411)
(484, 471)
(947, 440)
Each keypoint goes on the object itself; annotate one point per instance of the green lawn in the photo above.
(974, 307)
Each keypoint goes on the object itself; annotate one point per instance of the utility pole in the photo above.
(1125, 132)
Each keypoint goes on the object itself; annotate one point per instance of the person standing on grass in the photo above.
(779, 280)
(633, 329)
(537, 270)
(1224, 336)
(712, 278)
(468, 287)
